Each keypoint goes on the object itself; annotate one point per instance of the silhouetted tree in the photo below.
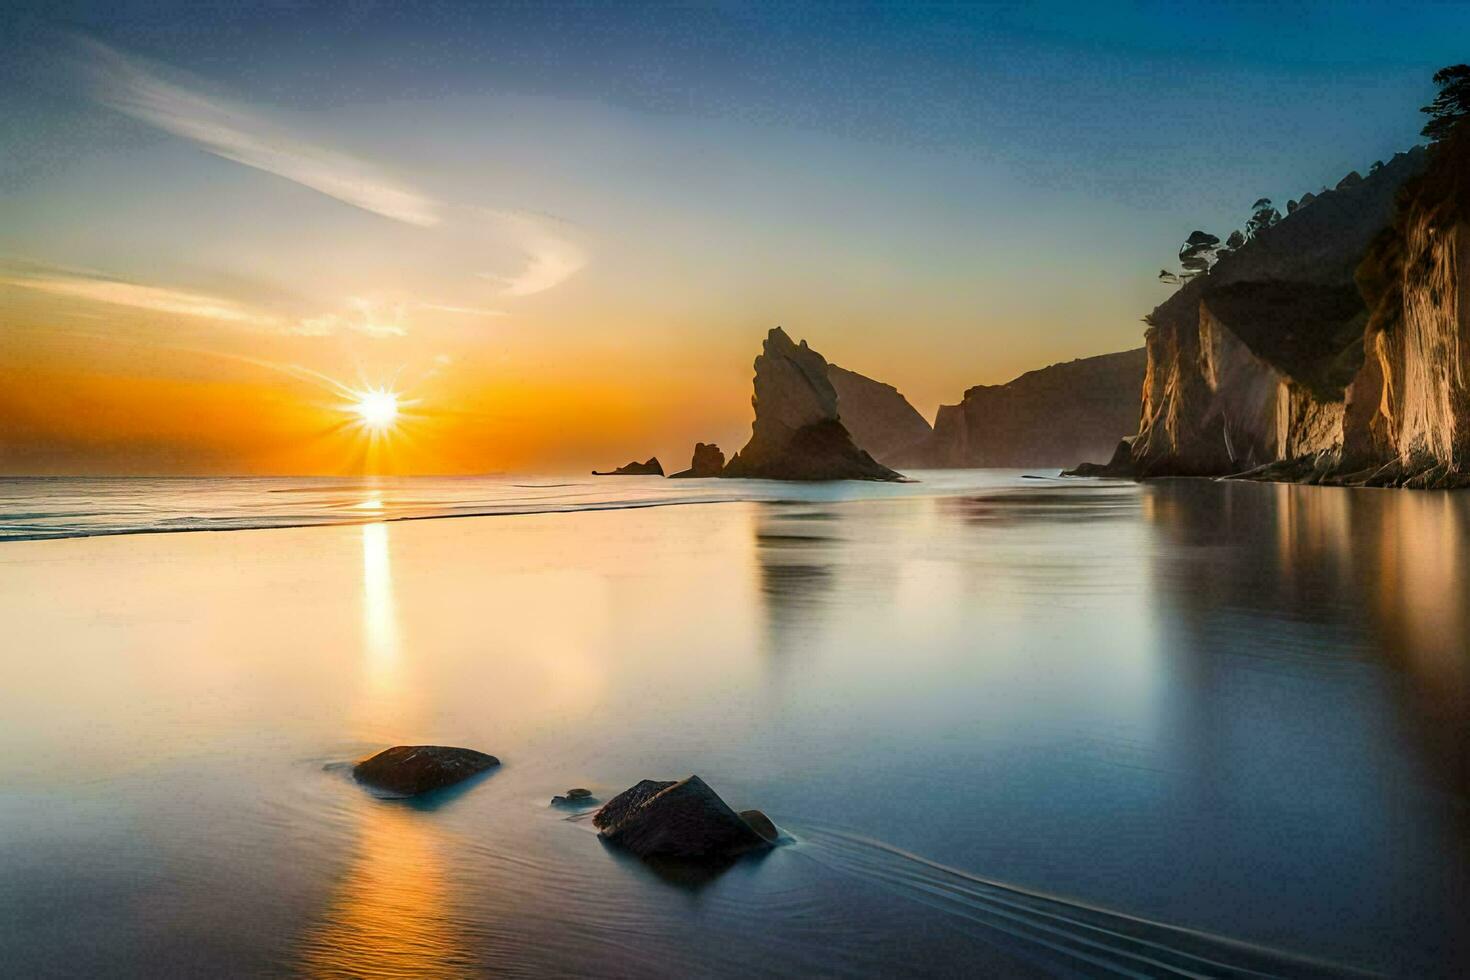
(1198, 253)
(1168, 278)
(1263, 216)
(1452, 105)
(1235, 240)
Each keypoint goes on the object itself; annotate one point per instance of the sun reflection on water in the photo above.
(391, 914)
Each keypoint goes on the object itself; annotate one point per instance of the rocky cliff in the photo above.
(707, 461)
(798, 433)
(1328, 349)
(1049, 417)
(880, 419)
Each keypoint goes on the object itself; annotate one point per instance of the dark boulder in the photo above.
(708, 461)
(408, 770)
(684, 820)
(650, 468)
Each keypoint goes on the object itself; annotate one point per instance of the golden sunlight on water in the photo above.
(384, 684)
(390, 914)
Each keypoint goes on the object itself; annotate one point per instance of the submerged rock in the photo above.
(708, 461)
(798, 433)
(682, 819)
(761, 824)
(650, 468)
(574, 797)
(408, 770)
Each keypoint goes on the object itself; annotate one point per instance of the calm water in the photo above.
(40, 508)
(1014, 726)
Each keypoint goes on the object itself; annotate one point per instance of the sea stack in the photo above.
(798, 433)
(707, 461)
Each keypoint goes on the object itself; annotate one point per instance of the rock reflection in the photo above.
(1082, 503)
(391, 915)
(795, 550)
(1377, 575)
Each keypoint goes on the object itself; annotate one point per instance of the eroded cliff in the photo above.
(880, 419)
(1329, 349)
(1048, 417)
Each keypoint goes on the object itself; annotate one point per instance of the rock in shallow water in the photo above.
(574, 797)
(408, 770)
(651, 467)
(685, 820)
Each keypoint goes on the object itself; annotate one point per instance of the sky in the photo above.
(558, 232)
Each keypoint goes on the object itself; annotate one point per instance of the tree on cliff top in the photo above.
(1263, 215)
(1197, 253)
(1452, 105)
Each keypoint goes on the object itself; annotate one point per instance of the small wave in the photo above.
(1054, 929)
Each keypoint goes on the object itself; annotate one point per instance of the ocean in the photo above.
(1010, 724)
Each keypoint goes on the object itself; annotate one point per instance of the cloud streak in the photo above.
(550, 258)
(245, 137)
(462, 310)
(364, 316)
(158, 299)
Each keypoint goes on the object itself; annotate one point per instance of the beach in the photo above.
(998, 722)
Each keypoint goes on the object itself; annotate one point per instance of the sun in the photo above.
(377, 409)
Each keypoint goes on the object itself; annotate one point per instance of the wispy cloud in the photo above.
(248, 136)
(462, 310)
(118, 292)
(245, 136)
(364, 316)
(550, 258)
(369, 317)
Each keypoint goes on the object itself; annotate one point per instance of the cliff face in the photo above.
(1049, 417)
(1328, 350)
(797, 433)
(1407, 413)
(880, 419)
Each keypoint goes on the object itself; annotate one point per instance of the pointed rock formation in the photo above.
(797, 434)
(880, 419)
(708, 461)
(651, 468)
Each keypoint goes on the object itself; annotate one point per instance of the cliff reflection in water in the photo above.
(1331, 577)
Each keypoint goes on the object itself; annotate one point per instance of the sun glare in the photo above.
(377, 409)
